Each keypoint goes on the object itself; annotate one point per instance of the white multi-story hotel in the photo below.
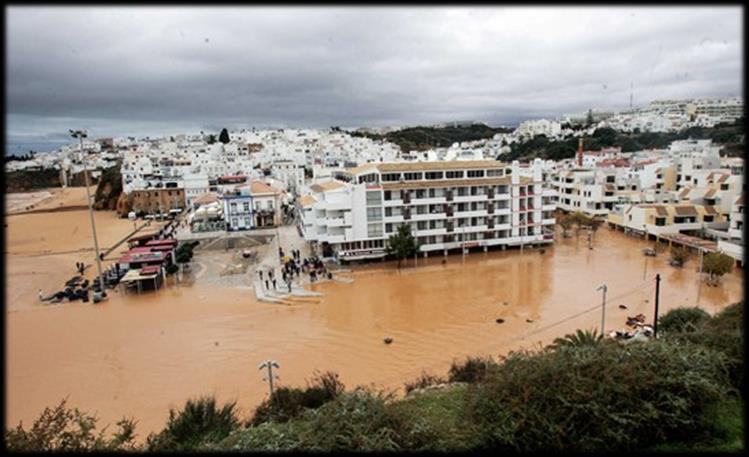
(448, 205)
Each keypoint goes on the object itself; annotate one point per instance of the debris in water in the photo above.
(530, 321)
(622, 307)
(500, 321)
(215, 343)
(388, 340)
(505, 303)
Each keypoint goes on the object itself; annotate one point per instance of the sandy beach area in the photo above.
(138, 355)
(42, 248)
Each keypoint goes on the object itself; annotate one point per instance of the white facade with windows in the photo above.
(447, 204)
(238, 209)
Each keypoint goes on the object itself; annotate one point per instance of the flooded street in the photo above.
(137, 355)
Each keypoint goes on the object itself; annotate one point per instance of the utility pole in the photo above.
(657, 295)
(269, 364)
(603, 287)
(699, 285)
(81, 134)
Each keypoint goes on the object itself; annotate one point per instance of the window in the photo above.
(374, 230)
(454, 174)
(708, 218)
(374, 214)
(388, 195)
(233, 207)
(475, 173)
(724, 187)
(433, 175)
(412, 176)
(246, 206)
(390, 177)
(374, 198)
(659, 221)
(495, 172)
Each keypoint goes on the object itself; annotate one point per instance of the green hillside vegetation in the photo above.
(678, 393)
(423, 138)
(29, 180)
(730, 136)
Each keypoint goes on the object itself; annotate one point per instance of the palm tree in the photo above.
(580, 338)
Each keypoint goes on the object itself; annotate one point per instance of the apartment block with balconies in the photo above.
(448, 205)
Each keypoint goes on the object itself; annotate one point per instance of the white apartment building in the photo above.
(734, 244)
(591, 191)
(448, 205)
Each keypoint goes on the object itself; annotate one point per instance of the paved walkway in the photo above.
(288, 238)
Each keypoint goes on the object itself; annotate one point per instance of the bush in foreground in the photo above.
(423, 381)
(355, 421)
(606, 397)
(724, 333)
(198, 423)
(289, 402)
(65, 429)
(473, 369)
(682, 319)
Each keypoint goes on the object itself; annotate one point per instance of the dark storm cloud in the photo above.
(159, 70)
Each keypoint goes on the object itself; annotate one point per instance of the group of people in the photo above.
(315, 266)
(80, 267)
(292, 267)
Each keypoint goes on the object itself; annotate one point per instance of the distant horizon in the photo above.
(19, 148)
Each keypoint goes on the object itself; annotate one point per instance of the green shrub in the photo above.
(289, 402)
(682, 319)
(473, 369)
(171, 269)
(354, 421)
(267, 437)
(436, 421)
(730, 318)
(724, 333)
(424, 380)
(64, 429)
(605, 397)
(198, 423)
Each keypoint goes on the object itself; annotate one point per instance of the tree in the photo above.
(224, 136)
(402, 244)
(578, 339)
(211, 139)
(589, 118)
(679, 255)
(716, 264)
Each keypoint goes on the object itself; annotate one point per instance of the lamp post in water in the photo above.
(603, 287)
(269, 364)
(81, 134)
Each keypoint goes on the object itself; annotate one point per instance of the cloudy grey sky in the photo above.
(152, 71)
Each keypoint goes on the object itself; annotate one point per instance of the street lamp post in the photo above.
(81, 134)
(603, 287)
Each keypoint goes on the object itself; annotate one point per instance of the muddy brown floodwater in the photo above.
(138, 355)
